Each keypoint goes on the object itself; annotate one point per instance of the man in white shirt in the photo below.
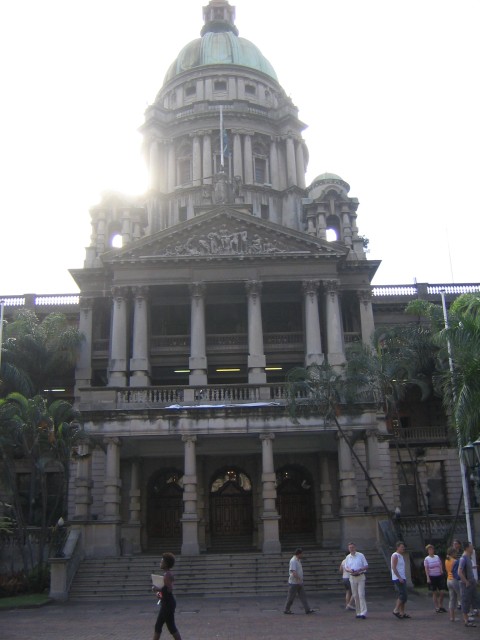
(295, 583)
(356, 566)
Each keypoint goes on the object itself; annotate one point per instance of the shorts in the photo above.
(437, 583)
(346, 584)
(401, 589)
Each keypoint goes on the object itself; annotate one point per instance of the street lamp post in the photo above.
(2, 306)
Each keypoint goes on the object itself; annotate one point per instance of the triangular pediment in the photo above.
(225, 232)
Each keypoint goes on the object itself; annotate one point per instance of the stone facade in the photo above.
(227, 277)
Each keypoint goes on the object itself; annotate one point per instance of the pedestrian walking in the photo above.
(167, 602)
(468, 583)
(349, 599)
(295, 583)
(356, 566)
(435, 578)
(399, 578)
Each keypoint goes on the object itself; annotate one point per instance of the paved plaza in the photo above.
(232, 619)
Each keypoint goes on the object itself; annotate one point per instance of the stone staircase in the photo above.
(218, 575)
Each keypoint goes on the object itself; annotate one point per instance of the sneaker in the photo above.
(310, 611)
(362, 617)
(288, 613)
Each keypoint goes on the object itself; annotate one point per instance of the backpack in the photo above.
(455, 569)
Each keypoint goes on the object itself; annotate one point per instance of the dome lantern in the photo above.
(219, 17)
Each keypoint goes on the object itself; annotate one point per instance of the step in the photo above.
(217, 575)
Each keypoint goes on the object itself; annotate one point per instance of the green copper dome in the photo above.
(219, 44)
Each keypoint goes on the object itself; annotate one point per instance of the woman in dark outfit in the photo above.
(167, 601)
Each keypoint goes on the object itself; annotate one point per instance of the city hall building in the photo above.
(198, 297)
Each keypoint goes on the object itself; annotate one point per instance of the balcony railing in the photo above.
(114, 398)
(421, 434)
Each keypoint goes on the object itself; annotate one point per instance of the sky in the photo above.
(388, 89)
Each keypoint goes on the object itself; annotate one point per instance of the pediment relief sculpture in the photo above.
(227, 235)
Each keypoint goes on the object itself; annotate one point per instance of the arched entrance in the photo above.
(231, 506)
(165, 506)
(295, 502)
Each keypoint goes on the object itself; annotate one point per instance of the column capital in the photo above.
(331, 286)
(310, 286)
(187, 437)
(86, 302)
(113, 440)
(347, 433)
(140, 291)
(371, 434)
(267, 436)
(253, 287)
(198, 289)
(364, 295)
(120, 293)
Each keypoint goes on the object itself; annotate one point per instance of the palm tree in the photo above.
(460, 388)
(37, 355)
(41, 436)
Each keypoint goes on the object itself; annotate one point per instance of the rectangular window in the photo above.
(264, 212)
(251, 89)
(182, 214)
(191, 91)
(184, 171)
(220, 85)
(260, 170)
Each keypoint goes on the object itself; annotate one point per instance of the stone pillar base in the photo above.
(140, 379)
(190, 546)
(271, 540)
(130, 538)
(360, 528)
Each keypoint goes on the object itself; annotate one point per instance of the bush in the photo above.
(13, 584)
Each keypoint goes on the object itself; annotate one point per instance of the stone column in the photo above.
(83, 483)
(325, 488)
(126, 231)
(196, 162)
(313, 347)
(366, 317)
(291, 164)
(248, 157)
(207, 158)
(237, 156)
(270, 517)
(83, 372)
(190, 518)
(134, 506)
(335, 350)
(139, 363)
(274, 165)
(256, 356)
(163, 169)
(300, 162)
(118, 341)
(171, 170)
(346, 473)
(373, 468)
(155, 165)
(112, 483)
(198, 356)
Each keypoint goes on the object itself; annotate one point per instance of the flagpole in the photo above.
(221, 137)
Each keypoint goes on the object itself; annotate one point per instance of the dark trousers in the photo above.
(293, 591)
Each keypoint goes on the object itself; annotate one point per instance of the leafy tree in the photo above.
(41, 437)
(37, 355)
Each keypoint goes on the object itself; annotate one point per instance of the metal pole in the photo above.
(465, 489)
(221, 138)
(2, 306)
